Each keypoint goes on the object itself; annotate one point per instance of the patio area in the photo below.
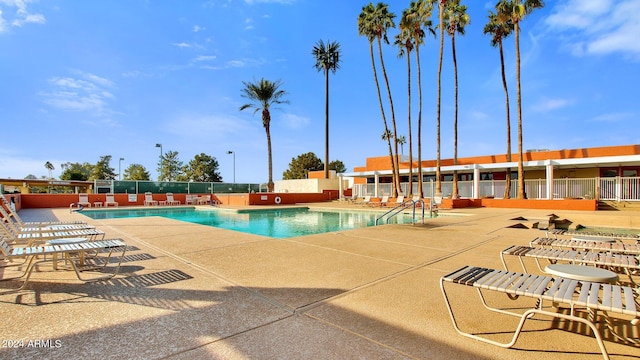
(187, 291)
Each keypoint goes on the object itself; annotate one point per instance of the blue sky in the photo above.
(84, 79)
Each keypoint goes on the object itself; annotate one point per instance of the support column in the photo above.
(376, 182)
(476, 181)
(549, 171)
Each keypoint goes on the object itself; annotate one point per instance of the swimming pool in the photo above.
(276, 223)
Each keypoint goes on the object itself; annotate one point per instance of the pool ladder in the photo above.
(398, 209)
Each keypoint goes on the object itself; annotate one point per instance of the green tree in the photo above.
(76, 171)
(263, 95)
(170, 167)
(337, 166)
(374, 22)
(499, 30)
(49, 166)
(102, 170)
(299, 167)
(136, 172)
(456, 18)
(202, 168)
(327, 58)
(420, 13)
(515, 11)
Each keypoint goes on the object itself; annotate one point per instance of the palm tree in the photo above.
(404, 42)
(327, 58)
(373, 22)
(515, 11)
(401, 141)
(49, 166)
(456, 18)
(441, 5)
(420, 13)
(263, 95)
(500, 30)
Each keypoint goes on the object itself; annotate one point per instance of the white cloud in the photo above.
(204, 58)
(597, 27)
(86, 92)
(551, 104)
(197, 28)
(182, 45)
(21, 16)
(292, 121)
(613, 117)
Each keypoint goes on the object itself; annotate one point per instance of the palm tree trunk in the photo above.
(454, 193)
(420, 193)
(266, 115)
(410, 192)
(507, 184)
(438, 174)
(326, 124)
(384, 118)
(396, 169)
(521, 192)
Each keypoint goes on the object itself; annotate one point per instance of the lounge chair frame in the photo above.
(602, 246)
(573, 293)
(616, 262)
(31, 253)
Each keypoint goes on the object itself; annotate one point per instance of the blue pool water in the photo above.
(281, 223)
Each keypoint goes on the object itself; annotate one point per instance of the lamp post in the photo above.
(234, 164)
(120, 169)
(160, 146)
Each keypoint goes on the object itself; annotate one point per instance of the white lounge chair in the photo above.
(170, 200)
(608, 246)
(16, 235)
(83, 200)
(14, 221)
(32, 253)
(110, 200)
(148, 199)
(574, 294)
(615, 262)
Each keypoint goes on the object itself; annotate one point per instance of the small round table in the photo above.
(582, 272)
(66, 241)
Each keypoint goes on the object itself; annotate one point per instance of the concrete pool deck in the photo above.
(187, 291)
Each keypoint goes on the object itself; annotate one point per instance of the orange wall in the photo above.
(64, 200)
(588, 205)
(291, 198)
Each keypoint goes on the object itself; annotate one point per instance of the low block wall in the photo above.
(564, 204)
(291, 198)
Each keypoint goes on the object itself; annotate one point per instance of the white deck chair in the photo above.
(83, 199)
(148, 199)
(31, 254)
(616, 262)
(574, 294)
(608, 246)
(15, 222)
(15, 235)
(5, 207)
(110, 200)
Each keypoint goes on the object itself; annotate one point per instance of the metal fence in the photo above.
(176, 187)
(614, 188)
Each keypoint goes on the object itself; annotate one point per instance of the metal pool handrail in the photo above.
(396, 210)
